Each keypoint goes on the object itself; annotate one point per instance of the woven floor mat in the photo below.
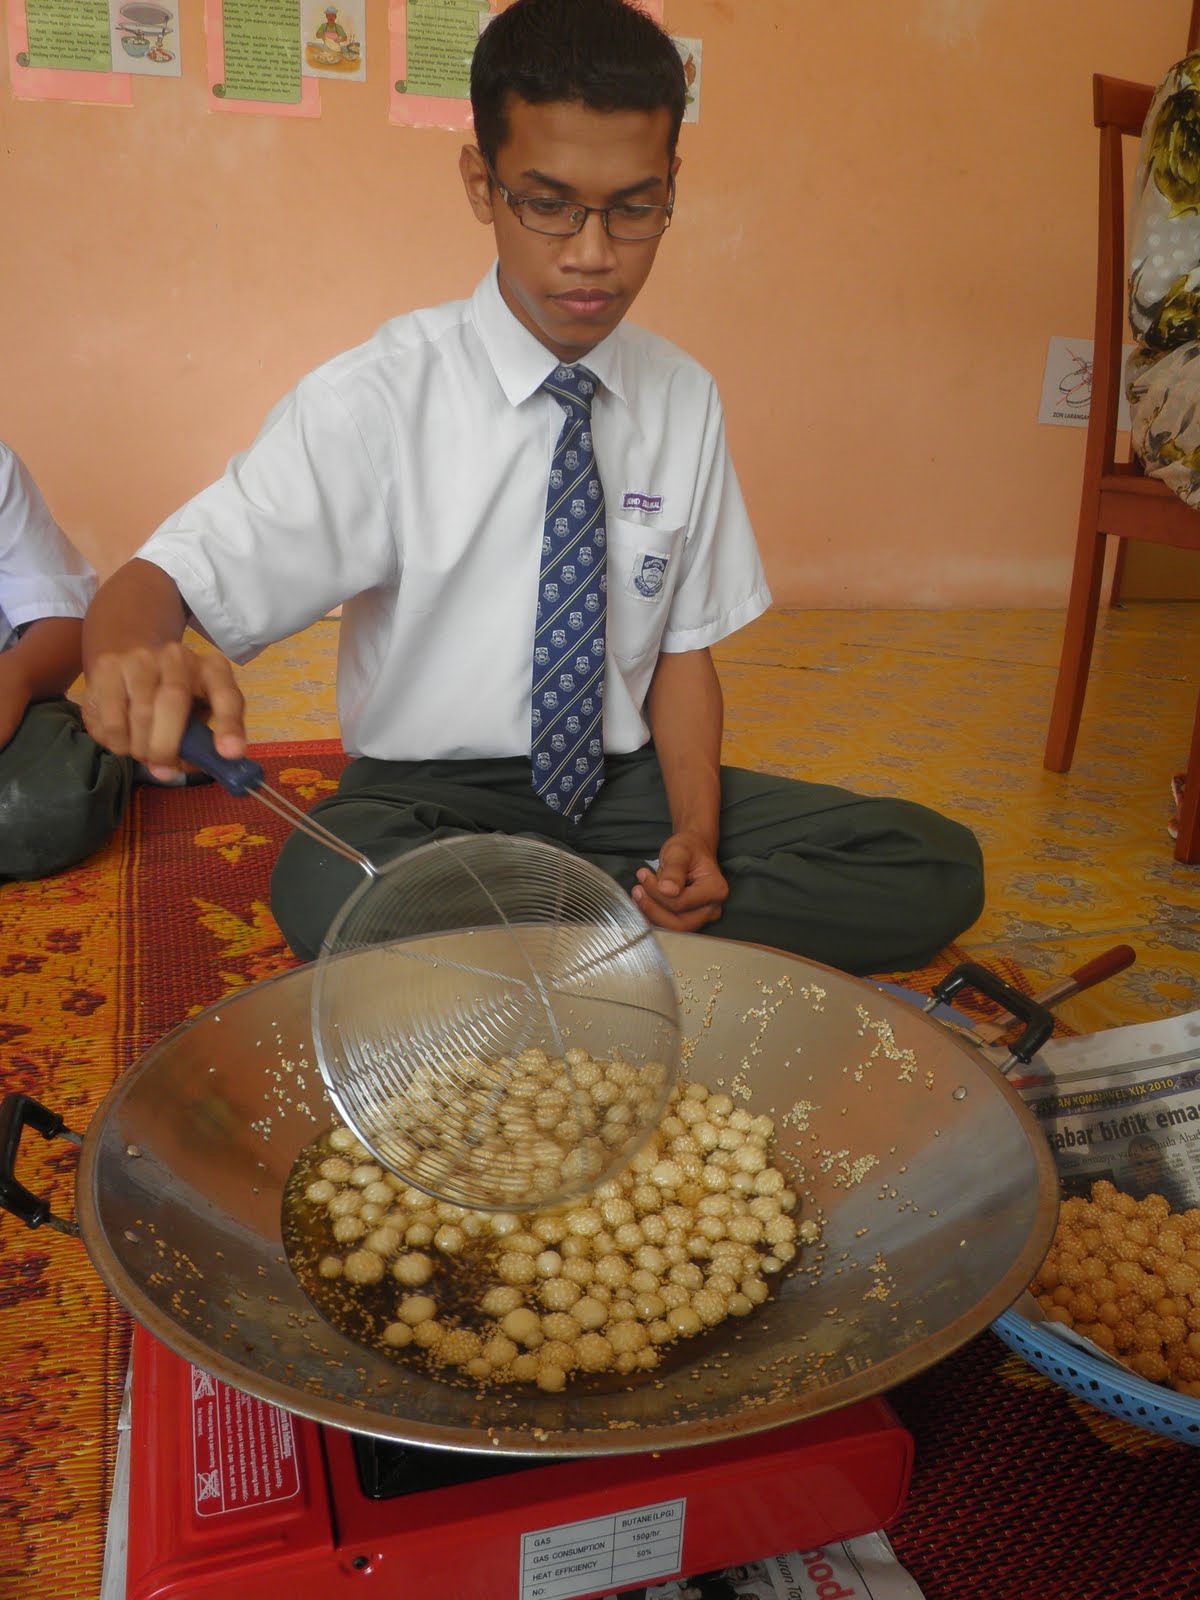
(97, 964)
(1015, 1481)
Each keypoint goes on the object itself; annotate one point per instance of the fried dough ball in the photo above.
(364, 1266)
(412, 1269)
(687, 1236)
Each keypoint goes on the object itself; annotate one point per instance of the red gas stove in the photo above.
(233, 1499)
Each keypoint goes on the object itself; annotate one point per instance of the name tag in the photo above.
(643, 502)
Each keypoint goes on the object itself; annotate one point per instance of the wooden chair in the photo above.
(1118, 501)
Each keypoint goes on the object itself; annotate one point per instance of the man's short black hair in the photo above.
(608, 55)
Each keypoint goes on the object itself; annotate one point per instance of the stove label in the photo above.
(243, 1450)
(615, 1552)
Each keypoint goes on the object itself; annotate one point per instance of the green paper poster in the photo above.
(440, 39)
(70, 34)
(262, 50)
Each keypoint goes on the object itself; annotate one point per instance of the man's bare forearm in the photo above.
(139, 607)
(45, 660)
(685, 710)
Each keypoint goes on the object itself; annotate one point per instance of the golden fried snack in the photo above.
(1125, 1273)
(688, 1235)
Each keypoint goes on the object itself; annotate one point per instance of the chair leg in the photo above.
(1076, 656)
(1118, 577)
(1187, 842)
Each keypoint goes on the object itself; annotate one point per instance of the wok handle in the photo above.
(1039, 1024)
(18, 1111)
(1095, 971)
(239, 776)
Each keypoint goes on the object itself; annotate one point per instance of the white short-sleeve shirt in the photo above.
(406, 480)
(41, 573)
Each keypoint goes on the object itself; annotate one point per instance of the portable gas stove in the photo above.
(233, 1498)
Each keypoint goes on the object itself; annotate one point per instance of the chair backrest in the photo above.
(1119, 110)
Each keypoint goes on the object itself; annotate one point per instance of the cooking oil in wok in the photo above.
(649, 1274)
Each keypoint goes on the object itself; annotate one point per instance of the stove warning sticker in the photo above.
(243, 1450)
(616, 1552)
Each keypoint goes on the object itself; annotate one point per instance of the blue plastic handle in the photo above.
(239, 776)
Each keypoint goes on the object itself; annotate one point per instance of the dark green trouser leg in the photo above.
(867, 885)
(61, 794)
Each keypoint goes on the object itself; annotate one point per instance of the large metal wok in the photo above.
(934, 1187)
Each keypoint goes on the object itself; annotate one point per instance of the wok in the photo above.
(934, 1188)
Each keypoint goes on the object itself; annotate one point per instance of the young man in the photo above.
(61, 795)
(526, 508)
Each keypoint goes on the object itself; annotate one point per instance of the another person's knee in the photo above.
(61, 795)
(42, 833)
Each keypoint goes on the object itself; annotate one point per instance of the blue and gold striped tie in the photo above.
(567, 733)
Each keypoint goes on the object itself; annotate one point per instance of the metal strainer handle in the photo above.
(242, 776)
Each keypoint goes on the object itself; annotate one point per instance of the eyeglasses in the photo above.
(562, 218)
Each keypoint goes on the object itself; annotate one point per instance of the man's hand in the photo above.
(139, 701)
(687, 891)
(143, 685)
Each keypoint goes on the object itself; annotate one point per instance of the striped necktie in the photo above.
(567, 737)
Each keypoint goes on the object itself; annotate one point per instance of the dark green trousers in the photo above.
(61, 794)
(863, 884)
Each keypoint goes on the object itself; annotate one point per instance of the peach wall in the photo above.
(885, 211)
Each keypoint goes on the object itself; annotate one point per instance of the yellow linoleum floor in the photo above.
(950, 708)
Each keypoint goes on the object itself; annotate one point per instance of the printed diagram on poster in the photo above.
(690, 52)
(1067, 384)
(144, 38)
(335, 40)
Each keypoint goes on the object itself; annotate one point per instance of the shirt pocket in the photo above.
(643, 569)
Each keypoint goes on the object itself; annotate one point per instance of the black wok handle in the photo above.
(17, 1112)
(1039, 1024)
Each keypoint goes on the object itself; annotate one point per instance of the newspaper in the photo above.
(1124, 1105)
(854, 1569)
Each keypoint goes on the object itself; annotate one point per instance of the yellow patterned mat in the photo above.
(97, 964)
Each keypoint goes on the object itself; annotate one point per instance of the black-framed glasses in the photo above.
(625, 220)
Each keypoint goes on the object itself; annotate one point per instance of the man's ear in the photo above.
(475, 179)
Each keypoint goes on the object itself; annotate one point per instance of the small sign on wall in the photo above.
(1067, 384)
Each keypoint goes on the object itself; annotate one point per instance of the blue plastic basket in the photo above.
(1113, 1389)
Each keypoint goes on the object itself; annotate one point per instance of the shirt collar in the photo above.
(522, 362)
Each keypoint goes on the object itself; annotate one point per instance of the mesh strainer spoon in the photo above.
(493, 1017)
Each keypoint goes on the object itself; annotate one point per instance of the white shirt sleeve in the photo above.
(721, 585)
(41, 573)
(296, 525)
